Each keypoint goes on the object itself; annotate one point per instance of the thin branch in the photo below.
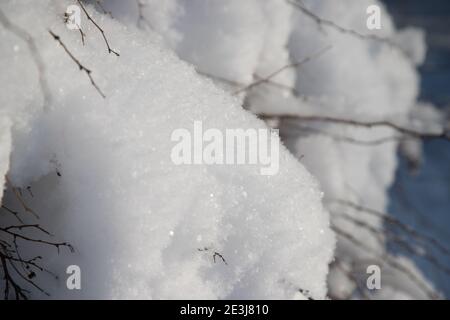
(228, 81)
(328, 23)
(444, 135)
(110, 50)
(283, 68)
(379, 233)
(368, 143)
(389, 261)
(57, 245)
(82, 34)
(393, 221)
(19, 292)
(25, 226)
(215, 254)
(285, 87)
(28, 278)
(24, 269)
(19, 273)
(14, 213)
(80, 66)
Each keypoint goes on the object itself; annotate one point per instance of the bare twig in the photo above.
(14, 213)
(227, 81)
(82, 34)
(57, 245)
(445, 135)
(393, 221)
(389, 261)
(368, 143)
(19, 292)
(215, 254)
(10, 257)
(80, 66)
(110, 50)
(283, 68)
(379, 233)
(328, 23)
(25, 226)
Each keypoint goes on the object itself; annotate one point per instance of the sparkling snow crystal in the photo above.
(141, 226)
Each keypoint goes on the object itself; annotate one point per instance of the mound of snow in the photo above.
(359, 79)
(139, 223)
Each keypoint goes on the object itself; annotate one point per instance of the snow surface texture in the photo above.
(237, 42)
(136, 220)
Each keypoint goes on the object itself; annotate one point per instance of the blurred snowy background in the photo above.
(353, 190)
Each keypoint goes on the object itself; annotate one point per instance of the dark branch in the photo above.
(110, 50)
(328, 23)
(80, 66)
(444, 135)
(280, 70)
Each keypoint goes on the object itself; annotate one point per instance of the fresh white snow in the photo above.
(235, 43)
(139, 223)
(144, 227)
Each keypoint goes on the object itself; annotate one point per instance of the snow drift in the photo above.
(237, 43)
(141, 226)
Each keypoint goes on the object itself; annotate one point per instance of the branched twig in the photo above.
(328, 23)
(14, 213)
(80, 66)
(396, 239)
(269, 82)
(19, 292)
(395, 222)
(18, 272)
(82, 34)
(10, 256)
(57, 245)
(445, 135)
(289, 66)
(25, 226)
(389, 261)
(98, 27)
